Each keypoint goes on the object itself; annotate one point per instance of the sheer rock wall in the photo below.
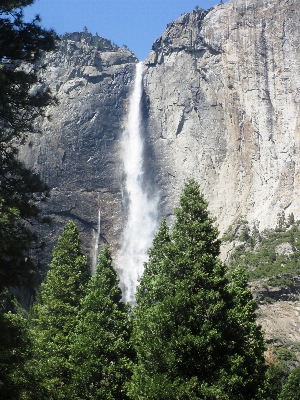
(221, 104)
(223, 96)
(78, 153)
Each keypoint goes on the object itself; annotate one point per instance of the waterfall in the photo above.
(97, 237)
(142, 207)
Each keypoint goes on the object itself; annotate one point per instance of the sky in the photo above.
(135, 23)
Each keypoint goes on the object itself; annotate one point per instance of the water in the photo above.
(96, 246)
(142, 207)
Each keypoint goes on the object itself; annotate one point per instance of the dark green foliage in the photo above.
(18, 205)
(280, 362)
(291, 390)
(286, 355)
(20, 190)
(56, 313)
(194, 328)
(282, 281)
(17, 378)
(201, 10)
(275, 378)
(281, 222)
(101, 351)
(291, 219)
(15, 349)
(20, 43)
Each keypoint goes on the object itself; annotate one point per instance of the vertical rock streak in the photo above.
(142, 208)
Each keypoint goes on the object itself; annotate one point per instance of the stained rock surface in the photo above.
(220, 104)
(223, 92)
(280, 321)
(78, 153)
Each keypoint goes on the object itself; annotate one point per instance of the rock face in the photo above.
(285, 248)
(223, 94)
(221, 104)
(78, 154)
(280, 321)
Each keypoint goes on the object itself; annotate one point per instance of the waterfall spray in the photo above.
(95, 254)
(142, 208)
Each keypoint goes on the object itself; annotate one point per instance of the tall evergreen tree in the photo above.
(56, 313)
(194, 329)
(21, 102)
(21, 190)
(101, 350)
(15, 349)
(276, 376)
(291, 390)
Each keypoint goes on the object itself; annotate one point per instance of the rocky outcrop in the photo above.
(78, 154)
(280, 322)
(282, 288)
(285, 248)
(223, 95)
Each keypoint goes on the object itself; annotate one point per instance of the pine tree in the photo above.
(101, 350)
(21, 190)
(15, 349)
(194, 329)
(56, 313)
(275, 376)
(291, 390)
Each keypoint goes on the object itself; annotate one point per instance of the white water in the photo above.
(96, 246)
(142, 207)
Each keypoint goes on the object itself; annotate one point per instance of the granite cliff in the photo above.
(223, 92)
(220, 103)
(78, 153)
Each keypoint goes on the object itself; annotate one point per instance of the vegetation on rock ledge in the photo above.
(269, 253)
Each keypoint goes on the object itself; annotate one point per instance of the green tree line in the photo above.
(191, 335)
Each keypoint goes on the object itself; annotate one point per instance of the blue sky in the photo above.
(135, 23)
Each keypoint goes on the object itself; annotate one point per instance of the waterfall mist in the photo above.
(142, 206)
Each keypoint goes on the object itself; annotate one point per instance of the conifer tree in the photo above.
(194, 328)
(21, 190)
(101, 351)
(291, 390)
(57, 310)
(275, 377)
(22, 100)
(15, 349)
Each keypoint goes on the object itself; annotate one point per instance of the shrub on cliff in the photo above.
(194, 329)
